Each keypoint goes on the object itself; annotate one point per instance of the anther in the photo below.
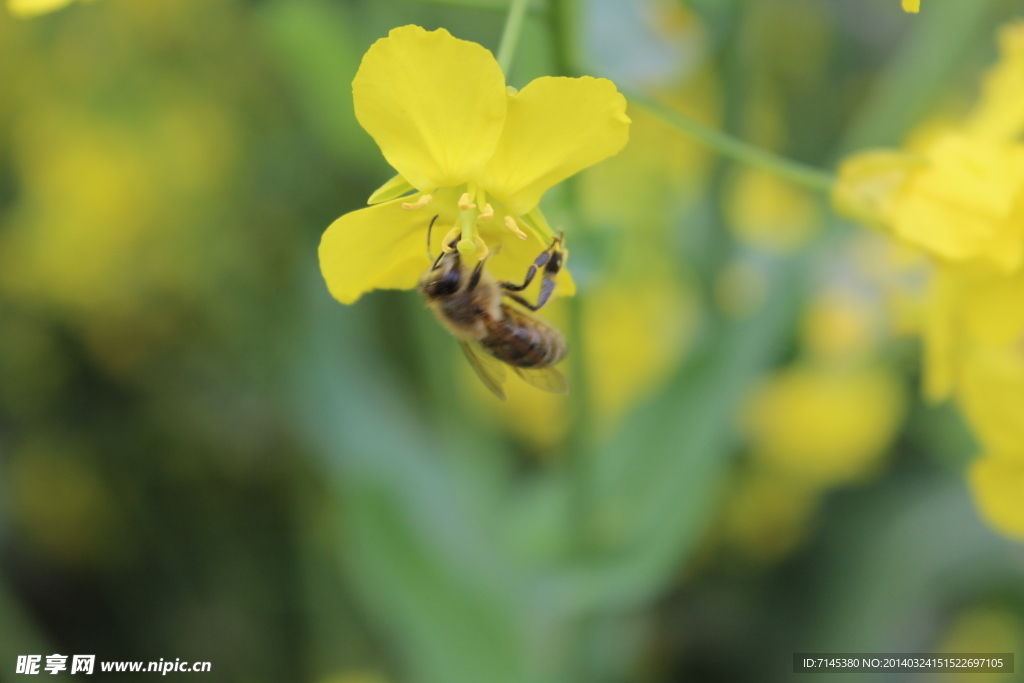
(487, 213)
(464, 202)
(510, 223)
(418, 204)
(452, 235)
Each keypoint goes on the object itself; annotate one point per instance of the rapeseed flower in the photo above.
(913, 6)
(825, 425)
(474, 152)
(768, 212)
(958, 192)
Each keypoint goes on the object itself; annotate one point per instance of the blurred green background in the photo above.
(203, 456)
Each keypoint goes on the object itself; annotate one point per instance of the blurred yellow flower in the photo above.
(959, 194)
(823, 425)
(31, 8)
(479, 154)
(961, 199)
(992, 397)
(912, 5)
(997, 482)
(767, 515)
(838, 328)
(969, 311)
(634, 330)
(766, 211)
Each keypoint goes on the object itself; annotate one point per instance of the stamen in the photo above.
(487, 213)
(510, 223)
(475, 246)
(465, 204)
(452, 235)
(418, 204)
(481, 246)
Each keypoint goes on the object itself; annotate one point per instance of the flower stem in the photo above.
(802, 174)
(510, 36)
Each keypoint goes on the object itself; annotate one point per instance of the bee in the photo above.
(493, 333)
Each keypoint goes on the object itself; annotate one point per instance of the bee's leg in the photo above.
(523, 302)
(551, 260)
(474, 279)
(542, 261)
(546, 289)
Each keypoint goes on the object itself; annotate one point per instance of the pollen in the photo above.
(486, 214)
(418, 204)
(510, 223)
(465, 204)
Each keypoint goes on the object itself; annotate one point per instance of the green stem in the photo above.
(510, 36)
(802, 174)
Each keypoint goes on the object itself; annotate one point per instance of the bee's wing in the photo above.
(490, 370)
(545, 378)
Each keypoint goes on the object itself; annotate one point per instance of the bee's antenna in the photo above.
(430, 257)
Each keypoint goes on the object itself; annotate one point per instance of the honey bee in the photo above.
(493, 333)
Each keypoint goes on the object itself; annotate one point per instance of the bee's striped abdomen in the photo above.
(523, 340)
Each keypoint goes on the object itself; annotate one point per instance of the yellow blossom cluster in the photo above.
(956, 192)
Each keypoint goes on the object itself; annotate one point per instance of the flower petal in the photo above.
(433, 103)
(869, 182)
(999, 114)
(997, 482)
(380, 247)
(555, 128)
(992, 397)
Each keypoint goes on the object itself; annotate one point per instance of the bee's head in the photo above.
(444, 279)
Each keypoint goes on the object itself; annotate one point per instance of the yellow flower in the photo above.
(479, 155)
(997, 482)
(961, 199)
(959, 194)
(768, 515)
(31, 8)
(769, 212)
(823, 425)
(970, 312)
(992, 397)
(912, 6)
